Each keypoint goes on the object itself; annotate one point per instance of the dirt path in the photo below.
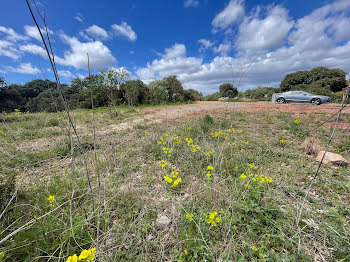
(161, 113)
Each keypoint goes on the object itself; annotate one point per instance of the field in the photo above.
(210, 181)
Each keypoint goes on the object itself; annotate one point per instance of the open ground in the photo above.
(211, 181)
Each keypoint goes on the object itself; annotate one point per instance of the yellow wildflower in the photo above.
(248, 185)
(174, 174)
(73, 258)
(186, 252)
(189, 141)
(232, 129)
(208, 175)
(189, 128)
(246, 142)
(282, 141)
(190, 216)
(88, 255)
(176, 182)
(163, 163)
(146, 132)
(297, 121)
(213, 218)
(242, 150)
(209, 154)
(210, 167)
(51, 198)
(168, 179)
(243, 176)
(195, 148)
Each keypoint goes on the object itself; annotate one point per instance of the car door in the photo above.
(305, 97)
(294, 97)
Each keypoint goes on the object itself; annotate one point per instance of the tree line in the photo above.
(107, 88)
(319, 81)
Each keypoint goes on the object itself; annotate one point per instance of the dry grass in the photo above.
(119, 217)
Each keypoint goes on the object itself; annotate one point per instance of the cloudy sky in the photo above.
(204, 42)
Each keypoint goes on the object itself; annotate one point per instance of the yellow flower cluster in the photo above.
(210, 168)
(167, 150)
(251, 166)
(189, 128)
(161, 141)
(209, 154)
(189, 216)
(213, 219)
(176, 140)
(85, 256)
(232, 129)
(255, 178)
(218, 134)
(195, 148)
(297, 121)
(282, 141)
(163, 163)
(146, 132)
(171, 179)
(189, 141)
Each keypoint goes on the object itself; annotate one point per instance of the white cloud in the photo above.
(8, 49)
(24, 68)
(100, 55)
(172, 62)
(124, 30)
(224, 48)
(97, 32)
(33, 49)
(177, 50)
(205, 44)
(264, 33)
(79, 17)
(232, 13)
(65, 74)
(11, 35)
(191, 3)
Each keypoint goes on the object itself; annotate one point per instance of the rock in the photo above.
(162, 220)
(332, 158)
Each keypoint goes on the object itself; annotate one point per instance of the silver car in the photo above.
(300, 97)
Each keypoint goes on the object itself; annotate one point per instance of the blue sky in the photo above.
(204, 42)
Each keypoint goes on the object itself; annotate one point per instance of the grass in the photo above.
(121, 216)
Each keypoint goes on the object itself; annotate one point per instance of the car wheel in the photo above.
(281, 100)
(316, 101)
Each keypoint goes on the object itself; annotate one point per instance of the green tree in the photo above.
(135, 92)
(319, 77)
(157, 94)
(228, 90)
(111, 81)
(173, 88)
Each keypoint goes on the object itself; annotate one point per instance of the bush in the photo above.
(212, 97)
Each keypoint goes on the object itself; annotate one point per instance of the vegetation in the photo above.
(108, 88)
(226, 187)
(319, 81)
(228, 90)
(319, 78)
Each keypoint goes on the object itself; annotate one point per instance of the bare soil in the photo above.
(162, 113)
